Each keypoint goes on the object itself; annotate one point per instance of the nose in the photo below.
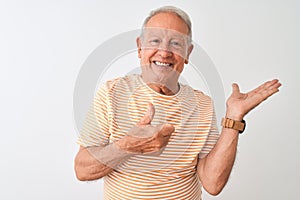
(164, 53)
(164, 50)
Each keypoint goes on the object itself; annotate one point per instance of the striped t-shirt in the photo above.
(119, 105)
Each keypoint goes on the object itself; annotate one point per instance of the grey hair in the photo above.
(171, 9)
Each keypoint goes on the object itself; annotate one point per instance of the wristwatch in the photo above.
(236, 125)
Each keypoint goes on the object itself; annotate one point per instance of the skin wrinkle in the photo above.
(213, 169)
(154, 76)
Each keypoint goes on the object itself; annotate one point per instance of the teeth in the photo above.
(162, 64)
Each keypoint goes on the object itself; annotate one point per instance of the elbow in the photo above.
(214, 185)
(214, 191)
(214, 188)
(87, 169)
(85, 173)
(79, 170)
(81, 175)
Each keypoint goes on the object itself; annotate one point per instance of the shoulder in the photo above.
(128, 81)
(118, 86)
(200, 96)
(203, 98)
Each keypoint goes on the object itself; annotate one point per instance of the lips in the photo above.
(162, 64)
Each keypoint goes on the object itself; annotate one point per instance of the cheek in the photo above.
(180, 64)
(145, 55)
(179, 60)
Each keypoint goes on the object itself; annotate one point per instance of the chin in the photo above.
(158, 75)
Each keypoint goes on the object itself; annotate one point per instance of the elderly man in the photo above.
(151, 137)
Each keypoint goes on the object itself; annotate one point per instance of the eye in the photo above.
(154, 41)
(176, 43)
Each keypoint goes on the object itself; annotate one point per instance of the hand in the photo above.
(239, 104)
(145, 138)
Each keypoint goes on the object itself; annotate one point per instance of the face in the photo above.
(163, 49)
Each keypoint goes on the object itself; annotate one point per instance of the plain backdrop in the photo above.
(43, 45)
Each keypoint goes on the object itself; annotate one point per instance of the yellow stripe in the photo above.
(118, 105)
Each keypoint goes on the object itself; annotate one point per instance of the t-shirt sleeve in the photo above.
(212, 137)
(95, 129)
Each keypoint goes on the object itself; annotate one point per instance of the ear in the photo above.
(139, 46)
(190, 49)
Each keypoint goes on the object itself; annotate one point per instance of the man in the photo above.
(151, 137)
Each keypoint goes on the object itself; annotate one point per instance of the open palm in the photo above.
(239, 104)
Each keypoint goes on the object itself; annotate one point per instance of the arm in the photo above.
(93, 163)
(215, 168)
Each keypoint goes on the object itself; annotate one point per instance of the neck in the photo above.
(165, 87)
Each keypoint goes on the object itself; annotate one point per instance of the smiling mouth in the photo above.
(162, 64)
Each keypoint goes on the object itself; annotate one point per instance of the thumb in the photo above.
(235, 89)
(148, 117)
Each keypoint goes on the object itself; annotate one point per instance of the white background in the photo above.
(44, 43)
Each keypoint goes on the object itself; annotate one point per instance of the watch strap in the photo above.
(233, 124)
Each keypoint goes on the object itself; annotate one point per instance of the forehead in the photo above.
(168, 21)
(150, 33)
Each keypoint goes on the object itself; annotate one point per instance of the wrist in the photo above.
(234, 116)
(234, 124)
(122, 143)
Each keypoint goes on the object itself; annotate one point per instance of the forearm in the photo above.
(215, 168)
(92, 163)
(95, 162)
